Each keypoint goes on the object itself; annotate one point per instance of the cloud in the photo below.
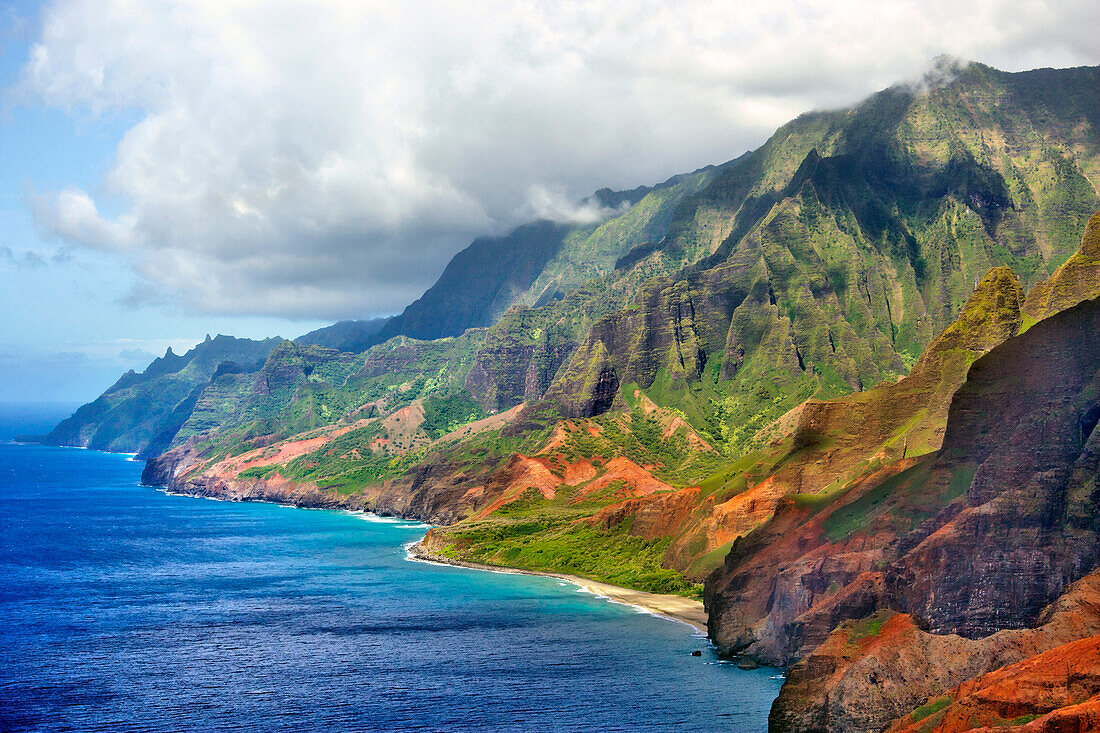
(556, 205)
(326, 159)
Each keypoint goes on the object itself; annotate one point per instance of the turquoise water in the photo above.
(125, 608)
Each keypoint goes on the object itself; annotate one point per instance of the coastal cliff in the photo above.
(821, 390)
(171, 471)
(974, 539)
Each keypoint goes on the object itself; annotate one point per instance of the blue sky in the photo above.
(67, 330)
(185, 167)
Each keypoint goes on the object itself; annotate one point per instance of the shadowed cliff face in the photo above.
(972, 539)
(835, 455)
(1024, 427)
(884, 668)
(862, 519)
(479, 284)
(976, 538)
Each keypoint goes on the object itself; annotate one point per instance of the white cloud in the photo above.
(556, 205)
(325, 159)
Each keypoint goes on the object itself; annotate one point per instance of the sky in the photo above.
(172, 169)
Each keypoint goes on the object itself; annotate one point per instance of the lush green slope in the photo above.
(678, 504)
(303, 388)
(707, 398)
(839, 266)
(820, 264)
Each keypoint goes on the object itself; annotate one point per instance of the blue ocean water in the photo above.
(32, 418)
(124, 608)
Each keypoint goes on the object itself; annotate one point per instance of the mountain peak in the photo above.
(992, 314)
(1077, 280)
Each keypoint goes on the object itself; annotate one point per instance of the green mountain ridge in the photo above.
(837, 278)
(540, 262)
(809, 375)
(821, 263)
(129, 415)
(345, 335)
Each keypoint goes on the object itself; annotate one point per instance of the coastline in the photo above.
(676, 608)
(673, 607)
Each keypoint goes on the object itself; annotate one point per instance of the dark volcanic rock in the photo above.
(871, 672)
(1020, 524)
(790, 563)
(1024, 426)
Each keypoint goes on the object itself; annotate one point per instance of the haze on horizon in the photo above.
(180, 168)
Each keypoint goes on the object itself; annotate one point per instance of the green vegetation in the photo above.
(930, 708)
(491, 447)
(888, 502)
(557, 545)
(349, 462)
(445, 414)
(817, 266)
(641, 438)
(1024, 719)
(132, 414)
(868, 627)
(304, 388)
(260, 472)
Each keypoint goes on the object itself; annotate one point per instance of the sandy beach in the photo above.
(678, 608)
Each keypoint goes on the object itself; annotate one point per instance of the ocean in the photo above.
(124, 608)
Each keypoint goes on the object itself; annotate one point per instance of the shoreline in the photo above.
(667, 605)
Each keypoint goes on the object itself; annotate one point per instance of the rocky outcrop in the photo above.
(179, 471)
(784, 586)
(838, 443)
(518, 360)
(873, 671)
(972, 540)
(1076, 280)
(432, 492)
(823, 284)
(289, 364)
(1056, 690)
